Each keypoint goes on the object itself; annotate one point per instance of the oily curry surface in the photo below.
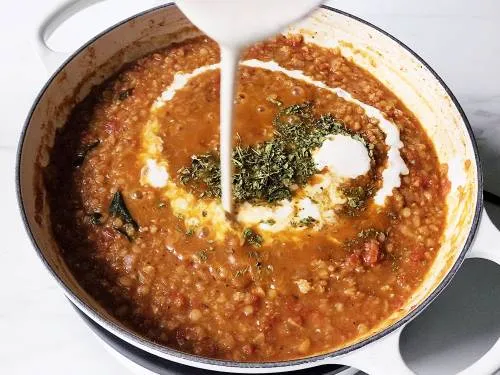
(311, 261)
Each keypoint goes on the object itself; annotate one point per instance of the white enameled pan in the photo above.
(467, 234)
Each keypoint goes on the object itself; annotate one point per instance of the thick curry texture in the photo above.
(282, 298)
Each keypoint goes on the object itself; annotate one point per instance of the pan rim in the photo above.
(135, 338)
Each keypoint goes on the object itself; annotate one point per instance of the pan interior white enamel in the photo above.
(393, 65)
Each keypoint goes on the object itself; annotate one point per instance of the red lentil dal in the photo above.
(314, 294)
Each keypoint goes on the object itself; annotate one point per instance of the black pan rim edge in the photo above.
(310, 361)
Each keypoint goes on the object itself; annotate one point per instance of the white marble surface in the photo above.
(40, 334)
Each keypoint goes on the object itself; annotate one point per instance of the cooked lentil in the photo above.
(282, 298)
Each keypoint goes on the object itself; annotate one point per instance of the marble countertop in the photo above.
(40, 332)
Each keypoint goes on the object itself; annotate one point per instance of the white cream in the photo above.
(395, 164)
(282, 216)
(343, 155)
(180, 81)
(154, 174)
(197, 212)
(308, 209)
(269, 218)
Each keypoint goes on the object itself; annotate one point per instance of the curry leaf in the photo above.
(119, 209)
(82, 154)
(95, 218)
(124, 232)
(252, 238)
(125, 94)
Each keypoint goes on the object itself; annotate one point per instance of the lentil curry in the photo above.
(312, 260)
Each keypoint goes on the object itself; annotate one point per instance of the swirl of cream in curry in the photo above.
(338, 158)
(340, 201)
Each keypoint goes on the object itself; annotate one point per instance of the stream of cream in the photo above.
(235, 25)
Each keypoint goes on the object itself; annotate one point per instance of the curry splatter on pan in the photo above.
(376, 54)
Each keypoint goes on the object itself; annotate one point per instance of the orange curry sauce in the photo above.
(291, 297)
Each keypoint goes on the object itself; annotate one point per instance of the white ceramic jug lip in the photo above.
(223, 365)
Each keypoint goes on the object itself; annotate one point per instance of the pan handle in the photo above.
(49, 18)
(381, 357)
(53, 13)
(486, 246)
